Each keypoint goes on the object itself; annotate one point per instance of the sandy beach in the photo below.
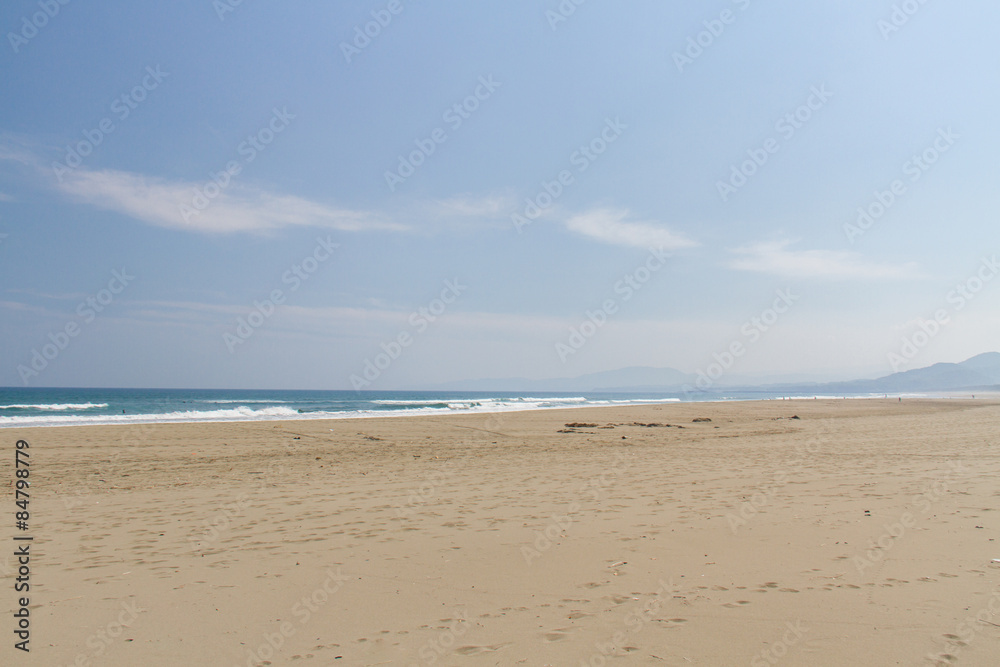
(858, 532)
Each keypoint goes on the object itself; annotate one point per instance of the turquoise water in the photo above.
(69, 407)
(54, 407)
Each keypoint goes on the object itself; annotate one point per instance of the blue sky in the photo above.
(819, 108)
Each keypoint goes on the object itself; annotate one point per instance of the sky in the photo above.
(397, 194)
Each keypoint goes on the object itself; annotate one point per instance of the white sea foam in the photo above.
(426, 401)
(223, 401)
(273, 413)
(241, 413)
(484, 400)
(54, 407)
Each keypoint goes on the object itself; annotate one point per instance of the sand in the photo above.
(862, 533)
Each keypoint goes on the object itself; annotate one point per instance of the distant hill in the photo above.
(979, 372)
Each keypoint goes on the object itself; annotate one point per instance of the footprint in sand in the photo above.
(475, 650)
(558, 635)
(620, 599)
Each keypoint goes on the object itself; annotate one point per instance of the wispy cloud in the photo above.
(241, 208)
(17, 306)
(159, 202)
(459, 213)
(612, 226)
(173, 204)
(777, 258)
(343, 318)
(497, 205)
(62, 296)
(15, 148)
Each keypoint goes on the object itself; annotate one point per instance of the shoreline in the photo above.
(416, 414)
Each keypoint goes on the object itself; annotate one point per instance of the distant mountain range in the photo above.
(980, 372)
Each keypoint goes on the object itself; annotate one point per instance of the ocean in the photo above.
(75, 407)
